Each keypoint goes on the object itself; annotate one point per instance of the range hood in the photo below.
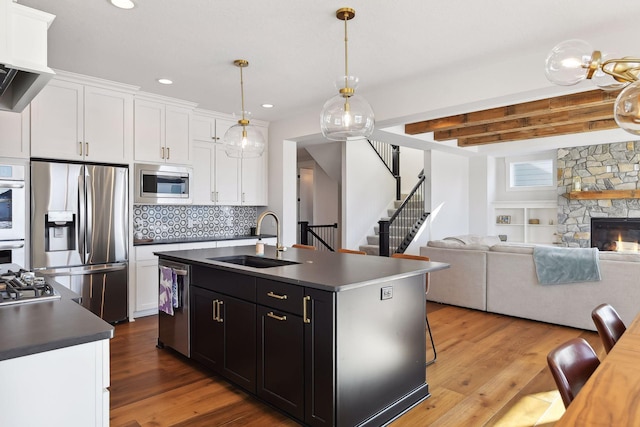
(23, 54)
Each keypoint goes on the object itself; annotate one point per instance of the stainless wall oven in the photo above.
(162, 184)
(12, 214)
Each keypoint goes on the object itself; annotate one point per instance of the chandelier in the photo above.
(346, 114)
(572, 61)
(243, 140)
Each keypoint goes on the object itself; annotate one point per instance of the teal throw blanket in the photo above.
(566, 265)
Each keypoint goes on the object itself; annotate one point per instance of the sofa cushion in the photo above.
(620, 256)
(475, 239)
(454, 244)
(515, 248)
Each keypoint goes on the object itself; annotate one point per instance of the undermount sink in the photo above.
(253, 261)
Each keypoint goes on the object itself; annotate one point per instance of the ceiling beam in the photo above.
(574, 113)
(539, 133)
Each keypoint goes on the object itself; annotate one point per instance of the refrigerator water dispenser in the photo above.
(59, 231)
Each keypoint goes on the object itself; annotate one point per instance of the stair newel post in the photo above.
(384, 237)
(304, 227)
(395, 169)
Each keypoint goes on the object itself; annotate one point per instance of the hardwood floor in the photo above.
(491, 371)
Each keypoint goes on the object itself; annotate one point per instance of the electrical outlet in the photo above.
(386, 292)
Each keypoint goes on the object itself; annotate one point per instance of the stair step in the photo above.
(375, 240)
(370, 249)
(415, 203)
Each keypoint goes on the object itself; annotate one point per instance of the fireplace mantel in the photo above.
(603, 195)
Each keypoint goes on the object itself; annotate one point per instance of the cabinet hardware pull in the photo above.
(213, 196)
(220, 319)
(162, 153)
(168, 153)
(86, 148)
(214, 303)
(275, 316)
(272, 295)
(305, 317)
(80, 150)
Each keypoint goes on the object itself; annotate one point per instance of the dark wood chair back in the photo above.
(571, 365)
(609, 325)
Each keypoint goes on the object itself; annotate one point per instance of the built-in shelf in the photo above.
(603, 195)
(512, 221)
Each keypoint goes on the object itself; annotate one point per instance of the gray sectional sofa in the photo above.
(488, 275)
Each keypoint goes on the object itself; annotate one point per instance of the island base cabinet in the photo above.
(280, 360)
(319, 375)
(223, 336)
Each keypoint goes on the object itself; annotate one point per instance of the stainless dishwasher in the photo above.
(173, 330)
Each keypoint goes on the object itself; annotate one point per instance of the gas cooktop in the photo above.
(22, 286)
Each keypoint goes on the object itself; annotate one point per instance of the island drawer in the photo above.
(226, 282)
(279, 295)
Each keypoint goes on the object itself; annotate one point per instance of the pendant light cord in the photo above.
(346, 52)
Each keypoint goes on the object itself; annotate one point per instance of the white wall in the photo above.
(367, 189)
(411, 163)
(305, 194)
(449, 195)
(326, 198)
(479, 171)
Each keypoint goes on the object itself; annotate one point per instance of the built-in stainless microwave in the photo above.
(162, 184)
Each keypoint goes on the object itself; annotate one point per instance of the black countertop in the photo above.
(141, 242)
(48, 325)
(328, 271)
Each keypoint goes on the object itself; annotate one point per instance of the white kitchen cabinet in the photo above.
(220, 179)
(14, 134)
(527, 221)
(161, 132)
(72, 383)
(73, 121)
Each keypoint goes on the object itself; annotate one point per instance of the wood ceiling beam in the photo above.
(516, 111)
(566, 117)
(539, 133)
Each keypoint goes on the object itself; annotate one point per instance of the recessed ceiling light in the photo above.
(165, 81)
(123, 4)
(267, 105)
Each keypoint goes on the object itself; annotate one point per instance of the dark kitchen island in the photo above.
(330, 339)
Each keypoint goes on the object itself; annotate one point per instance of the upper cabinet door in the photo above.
(14, 134)
(177, 141)
(149, 131)
(203, 129)
(57, 126)
(72, 121)
(108, 125)
(161, 133)
(254, 177)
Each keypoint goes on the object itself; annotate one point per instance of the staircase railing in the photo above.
(390, 156)
(323, 237)
(403, 225)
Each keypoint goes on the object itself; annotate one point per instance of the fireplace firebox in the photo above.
(615, 234)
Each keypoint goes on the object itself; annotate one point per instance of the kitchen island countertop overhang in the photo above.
(329, 271)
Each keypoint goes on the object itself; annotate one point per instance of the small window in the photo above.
(533, 174)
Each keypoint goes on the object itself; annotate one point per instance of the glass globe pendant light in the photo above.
(243, 140)
(346, 115)
(572, 61)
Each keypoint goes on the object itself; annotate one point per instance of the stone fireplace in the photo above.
(598, 168)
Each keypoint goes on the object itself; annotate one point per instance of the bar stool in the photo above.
(299, 246)
(351, 251)
(609, 325)
(571, 365)
(422, 258)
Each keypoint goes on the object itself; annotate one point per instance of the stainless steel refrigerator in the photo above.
(79, 231)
